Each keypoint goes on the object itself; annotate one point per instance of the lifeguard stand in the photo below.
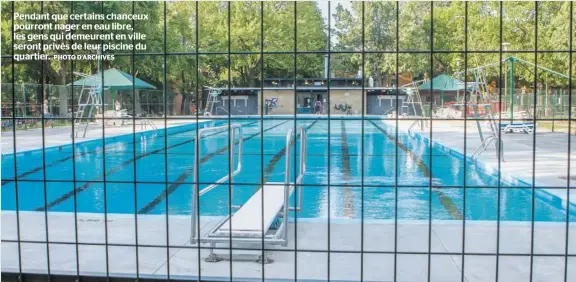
(412, 106)
(212, 102)
(89, 101)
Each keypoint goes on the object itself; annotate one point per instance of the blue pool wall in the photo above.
(542, 194)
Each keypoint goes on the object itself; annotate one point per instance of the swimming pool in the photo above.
(362, 174)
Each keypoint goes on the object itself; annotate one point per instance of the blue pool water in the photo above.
(134, 174)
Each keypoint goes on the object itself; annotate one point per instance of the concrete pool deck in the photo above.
(551, 153)
(310, 260)
(32, 138)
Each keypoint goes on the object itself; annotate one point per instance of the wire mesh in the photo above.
(22, 103)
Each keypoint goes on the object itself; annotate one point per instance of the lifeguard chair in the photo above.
(212, 102)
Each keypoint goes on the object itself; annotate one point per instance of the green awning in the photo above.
(114, 80)
(444, 83)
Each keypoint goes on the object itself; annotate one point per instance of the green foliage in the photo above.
(273, 28)
(449, 33)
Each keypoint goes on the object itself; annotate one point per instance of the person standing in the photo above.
(46, 114)
(318, 107)
(192, 106)
(117, 106)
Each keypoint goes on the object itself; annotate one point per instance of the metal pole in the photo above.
(553, 119)
(475, 108)
(24, 107)
(511, 86)
(232, 137)
(475, 105)
(505, 83)
(195, 190)
(326, 70)
(287, 184)
(442, 99)
(546, 97)
(458, 95)
(101, 86)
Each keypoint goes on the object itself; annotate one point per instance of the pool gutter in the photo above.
(541, 193)
(169, 130)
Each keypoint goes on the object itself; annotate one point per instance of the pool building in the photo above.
(345, 97)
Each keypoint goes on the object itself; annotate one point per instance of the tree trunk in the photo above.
(63, 90)
(59, 79)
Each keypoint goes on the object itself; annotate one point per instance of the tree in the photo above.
(417, 30)
(379, 35)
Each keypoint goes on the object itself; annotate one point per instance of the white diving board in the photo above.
(256, 212)
(253, 221)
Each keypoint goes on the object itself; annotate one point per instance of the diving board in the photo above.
(263, 218)
(258, 212)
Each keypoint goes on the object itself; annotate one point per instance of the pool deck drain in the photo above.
(311, 257)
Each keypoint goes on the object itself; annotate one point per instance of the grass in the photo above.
(557, 126)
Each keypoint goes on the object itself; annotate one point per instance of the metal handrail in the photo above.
(195, 187)
(484, 145)
(298, 182)
(388, 110)
(419, 122)
(412, 126)
(413, 83)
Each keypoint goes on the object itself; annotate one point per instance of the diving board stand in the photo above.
(263, 219)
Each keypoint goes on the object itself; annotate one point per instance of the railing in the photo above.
(196, 193)
(145, 123)
(389, 110)
(298, 182)
(420, 122)
(484, 145)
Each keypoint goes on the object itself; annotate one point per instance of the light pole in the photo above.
(458, 90)
(511, 80)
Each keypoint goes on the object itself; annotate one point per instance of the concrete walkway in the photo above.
(32, 138)
(308, 262)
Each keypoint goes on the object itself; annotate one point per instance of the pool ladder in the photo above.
(420, 122)
(494, 137)
(234, 128)
(484, 145)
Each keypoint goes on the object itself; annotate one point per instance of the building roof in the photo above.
(443, 83)
(114, 80)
